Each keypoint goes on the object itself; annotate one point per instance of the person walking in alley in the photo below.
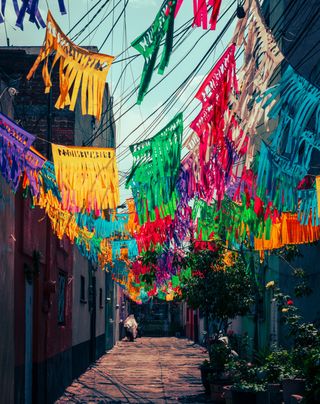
(131, 327)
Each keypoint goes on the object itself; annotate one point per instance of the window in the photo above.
(83, 289)
(62, 297)
(100, 299)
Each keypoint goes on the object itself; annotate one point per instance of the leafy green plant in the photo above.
(219, 354)
(247, 377)
(221, 292)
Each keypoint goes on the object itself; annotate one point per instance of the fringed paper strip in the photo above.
(261, 57)
(87, 178)
(215, 93)
(48, 180)
(221, 138)
(148, 44)
(308, 206)
(278, 178)
(288, 231)
(124, 249)
(299, 98)
(34, 162)
(133, 222)
(31, 8)
(154, 172)
(318, 193)
(79, 68)
(15, 142)
(116, 227)
(153, 234)
(89, 248)
(200, 10)
(182, 221)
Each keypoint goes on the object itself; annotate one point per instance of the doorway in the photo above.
(28, 340)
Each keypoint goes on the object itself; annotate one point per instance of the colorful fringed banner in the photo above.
(215, 93)
(103, 228)
(34, 162)
(308, 205)
(288, 231)
(318, 193)
(287, 161)
(299, 99)
(124, 249)
(153, 234)
(87, 178)
(154, 172)
(261, 57)
(221, 138)
(15, 143)
(30, 7)
(148, 44)
(200, 10)
(278, 178)
(133, 222)
(79, 68)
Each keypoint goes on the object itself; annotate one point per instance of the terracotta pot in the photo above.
(205, 372)
(227, 394)
(274, 393)
(293, 386)
(216, 390)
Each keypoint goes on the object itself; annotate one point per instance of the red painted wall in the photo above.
(33, 233)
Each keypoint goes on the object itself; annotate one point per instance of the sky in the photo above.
(139, 16)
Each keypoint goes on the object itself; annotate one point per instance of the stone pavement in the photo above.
(149, 370)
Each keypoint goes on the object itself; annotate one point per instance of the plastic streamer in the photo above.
(34, 162)
(287, 161)
(31, 8)
(278, 178)
(308, 206)
(15, 142)
(148, 44)
(200, 10)
(261, 57)
(87, 178)
(154, 172)
(124, 249)
(288, 231)
(215, 126)
(79, 68)
(103, 228)
(299, 98)
(133, 223)
(182, 221)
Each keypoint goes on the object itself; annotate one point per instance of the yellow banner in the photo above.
(87, 178)
(79, 68)
(288, 231)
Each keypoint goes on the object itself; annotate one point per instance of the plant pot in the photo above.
(216, 389)
(274, 393)
(249, 397)
(227, 394)
(205, 372)
(293, 386)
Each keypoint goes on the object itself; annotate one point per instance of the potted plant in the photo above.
(219, 354)
(206, 370)
(222, 289)
(249, 383)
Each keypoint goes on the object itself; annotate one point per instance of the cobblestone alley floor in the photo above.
(149, 370)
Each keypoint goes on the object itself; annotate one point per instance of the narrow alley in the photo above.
(150, 370)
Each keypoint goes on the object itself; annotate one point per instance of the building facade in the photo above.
(57, 308)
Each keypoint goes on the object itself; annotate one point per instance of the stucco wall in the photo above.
(6, 273)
